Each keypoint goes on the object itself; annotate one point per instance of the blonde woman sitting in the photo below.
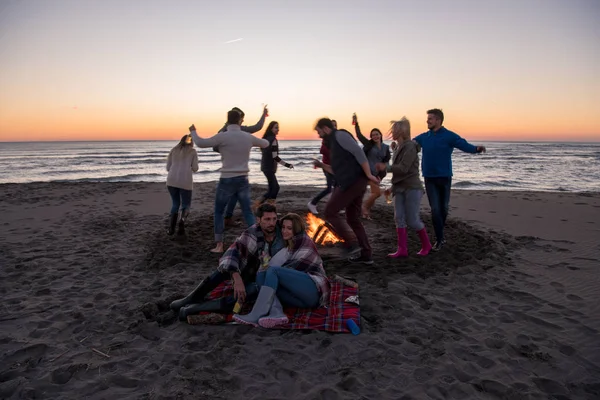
(294, 277)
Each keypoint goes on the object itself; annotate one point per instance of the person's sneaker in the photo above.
(312, 208)
(354, 251)
(437, 246)
(361, 259)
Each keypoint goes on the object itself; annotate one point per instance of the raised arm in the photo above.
(257, 127)
(201, 142)
(360, 136)
(463, 145)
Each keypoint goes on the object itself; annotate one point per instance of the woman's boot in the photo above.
(181, 230)
(262, 306)
(425, 243)
(276, 316)
(172, 223)
(402, 244)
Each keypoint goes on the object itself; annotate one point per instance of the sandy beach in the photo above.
(508, 310)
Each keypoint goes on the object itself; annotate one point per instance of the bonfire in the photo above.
(320, 231)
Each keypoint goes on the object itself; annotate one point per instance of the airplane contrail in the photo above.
(234, 40)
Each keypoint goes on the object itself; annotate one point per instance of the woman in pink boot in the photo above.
(407, 188)
(294, 277)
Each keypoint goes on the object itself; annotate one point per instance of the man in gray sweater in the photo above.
(234, 146)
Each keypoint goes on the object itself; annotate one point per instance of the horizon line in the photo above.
(289, 140)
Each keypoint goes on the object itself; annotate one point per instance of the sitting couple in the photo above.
(275, 263)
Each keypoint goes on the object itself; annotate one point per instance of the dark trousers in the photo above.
(330, 184)
(179, 198)
(438, 194)
(273, 189)
(349, 228)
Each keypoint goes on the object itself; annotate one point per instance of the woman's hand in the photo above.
(317, 163)
(239, 289)
(192, 128)
(288, 165)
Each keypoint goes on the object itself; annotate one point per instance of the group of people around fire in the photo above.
(275, 264)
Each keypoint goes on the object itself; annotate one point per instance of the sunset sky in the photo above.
(147, 69)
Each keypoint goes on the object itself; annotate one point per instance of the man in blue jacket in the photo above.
(437, 145)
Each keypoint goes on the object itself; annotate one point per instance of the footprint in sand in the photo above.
(560, 288)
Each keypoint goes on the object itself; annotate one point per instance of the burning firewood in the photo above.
(320, 231)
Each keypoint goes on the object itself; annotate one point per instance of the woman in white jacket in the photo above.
(181, 163)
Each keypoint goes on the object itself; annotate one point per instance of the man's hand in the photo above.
(192, 128)
(266, 111)
(393, 146)
(480, 149)
(288, 165)
(317, 163)
(373, 178)
(239, 289)
(381, 166)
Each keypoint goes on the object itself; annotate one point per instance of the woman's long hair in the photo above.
(298, 226)
(269, 130)
(185, 144)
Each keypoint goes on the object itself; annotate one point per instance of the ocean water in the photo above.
(569, 167)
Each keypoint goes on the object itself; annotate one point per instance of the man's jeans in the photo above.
(227, 188)
(438, 194)
(179, 197)
(293, 288)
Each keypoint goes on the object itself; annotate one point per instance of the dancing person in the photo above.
(234, 146)
(294, 277)
(407, 189)
(250, 129)
(241, 262)
(268, 163)
(377, 152)
(437, 145)
(329, 179)
(182, 162)
(351, 169)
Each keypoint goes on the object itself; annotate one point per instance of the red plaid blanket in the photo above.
(330, 319)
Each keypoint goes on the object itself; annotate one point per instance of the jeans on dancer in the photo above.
(293, 288)
(406, 209)
(273, 189)
(330, 184)
(351, 228)
(438, 194)
(227, 188)
(179, 197)
(231, 206)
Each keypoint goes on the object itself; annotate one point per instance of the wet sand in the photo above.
(509, 309)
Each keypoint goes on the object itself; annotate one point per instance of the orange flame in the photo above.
(319, 231)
